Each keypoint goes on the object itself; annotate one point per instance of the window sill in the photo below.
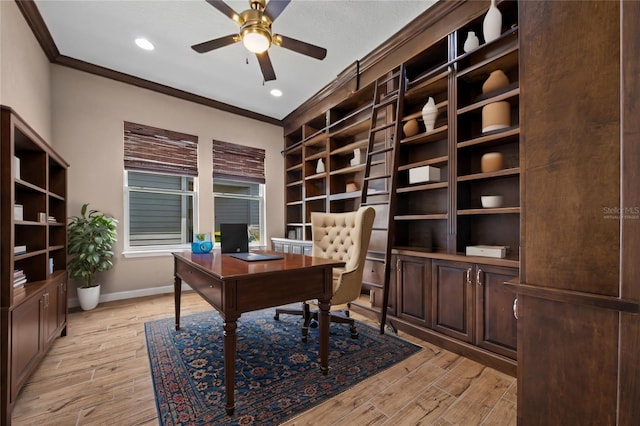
(152, 253)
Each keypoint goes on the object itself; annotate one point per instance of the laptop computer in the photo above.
(234, 241)
(234, 238)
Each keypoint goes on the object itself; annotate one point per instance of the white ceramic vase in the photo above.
(429, 114)
(88, 297)
(492, 24)
(320, 166)
(357, 157)
(471, 42)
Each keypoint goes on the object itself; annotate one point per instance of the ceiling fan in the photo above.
(256, 34)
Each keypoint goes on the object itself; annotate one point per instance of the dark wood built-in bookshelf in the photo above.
(33, 279)
(435, 291)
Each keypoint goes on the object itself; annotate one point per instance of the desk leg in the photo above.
(177, 292)
(323, 319)
(230, 363)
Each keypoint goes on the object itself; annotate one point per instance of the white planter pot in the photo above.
(88, 297)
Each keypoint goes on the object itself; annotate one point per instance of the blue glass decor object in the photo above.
(201, 246)
(202, 243)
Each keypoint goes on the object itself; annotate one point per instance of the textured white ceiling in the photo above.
(102, 32)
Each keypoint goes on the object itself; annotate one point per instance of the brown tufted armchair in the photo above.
(339, 236)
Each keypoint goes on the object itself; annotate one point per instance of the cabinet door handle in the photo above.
(469, 276)
(478, 280)
(515, 308)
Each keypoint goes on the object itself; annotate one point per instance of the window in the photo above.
(238, 188)
(160, 195)
(239, 202)
(161, 210)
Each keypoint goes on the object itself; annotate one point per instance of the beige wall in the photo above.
(81, 116)
(25, 81)
(88, 114)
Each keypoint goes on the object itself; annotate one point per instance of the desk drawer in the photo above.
(207, 286)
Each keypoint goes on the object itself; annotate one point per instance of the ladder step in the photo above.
(381, 151)
(387, 100)
(383, 127)
(370, 178)
(379, 194)
(375, 203)
(379, 229)
(389, 78)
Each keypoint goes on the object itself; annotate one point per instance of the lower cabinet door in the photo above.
(453, 295)
(27, 341)
(51, 306)
(413, 276)
(495, 322)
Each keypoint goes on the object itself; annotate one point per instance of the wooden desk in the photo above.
(233, 286)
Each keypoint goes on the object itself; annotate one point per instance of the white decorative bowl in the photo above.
(491, 201)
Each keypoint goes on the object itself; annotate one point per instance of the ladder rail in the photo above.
(395, 98)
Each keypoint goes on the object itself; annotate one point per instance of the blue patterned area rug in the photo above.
(277, 375)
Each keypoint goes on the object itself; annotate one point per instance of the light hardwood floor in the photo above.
(99, 375)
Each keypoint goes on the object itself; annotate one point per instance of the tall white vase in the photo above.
(429, 114)
(492, 24)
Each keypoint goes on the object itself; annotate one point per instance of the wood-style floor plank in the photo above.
(99, 375)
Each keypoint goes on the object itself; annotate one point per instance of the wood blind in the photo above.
(233, 161)
(148, 148)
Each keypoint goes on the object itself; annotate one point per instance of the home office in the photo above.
(575, 294)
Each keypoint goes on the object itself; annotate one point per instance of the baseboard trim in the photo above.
(131, 294)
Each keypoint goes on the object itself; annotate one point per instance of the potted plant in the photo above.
(90, 241)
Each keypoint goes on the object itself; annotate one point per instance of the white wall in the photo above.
(25, 82)
(88, 114)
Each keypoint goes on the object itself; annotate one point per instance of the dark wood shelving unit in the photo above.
(35, 313)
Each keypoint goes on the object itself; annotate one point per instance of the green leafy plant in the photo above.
(201, 237)
(91, 239)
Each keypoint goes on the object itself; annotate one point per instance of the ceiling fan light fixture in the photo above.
(256, 39)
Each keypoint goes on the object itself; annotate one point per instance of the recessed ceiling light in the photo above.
(276, 92)
(145, 44)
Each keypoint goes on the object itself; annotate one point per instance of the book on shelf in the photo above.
(499, 252)
(51, 219)
(19, 283)
(19, 250)
(19, 278)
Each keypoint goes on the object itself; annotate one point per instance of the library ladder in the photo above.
(379, 184)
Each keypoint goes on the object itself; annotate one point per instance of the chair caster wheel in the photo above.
(304, 339)
(276, 317)
(313, 324)
(355, 335)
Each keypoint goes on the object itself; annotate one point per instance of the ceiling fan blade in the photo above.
(226, 10)
(217, 43)
(265, 65)
(275, 7)
(300, 46)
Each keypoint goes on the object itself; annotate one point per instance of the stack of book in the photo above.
(19, 250)
(19, 278)
(51, 219)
